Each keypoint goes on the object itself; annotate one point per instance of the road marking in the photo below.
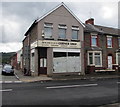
(10, 82)
(7, 81)
(70, 86)
(118, 82)
(6, 90)
(17, 81)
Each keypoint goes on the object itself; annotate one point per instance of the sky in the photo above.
(16, 17)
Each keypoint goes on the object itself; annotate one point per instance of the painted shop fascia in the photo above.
(55, 44)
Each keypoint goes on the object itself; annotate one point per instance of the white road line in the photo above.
(7, 81)
(70, 86)
(17, 81)
(6, 90)
(118, 82)
(10, 82)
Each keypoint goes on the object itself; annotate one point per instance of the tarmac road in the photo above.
(71, 92)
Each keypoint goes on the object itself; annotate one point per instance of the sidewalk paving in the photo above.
(20, 76)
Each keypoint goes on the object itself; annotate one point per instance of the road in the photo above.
(70, 92)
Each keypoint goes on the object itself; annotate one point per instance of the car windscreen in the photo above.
(7, 67)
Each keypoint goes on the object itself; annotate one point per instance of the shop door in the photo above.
(109, 62)
(42, 61)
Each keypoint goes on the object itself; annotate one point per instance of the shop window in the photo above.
(75, 30)
(62, 31)
(66, 62)
(48, 30)
(109, 42)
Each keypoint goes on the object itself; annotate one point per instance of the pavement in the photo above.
(20, 76)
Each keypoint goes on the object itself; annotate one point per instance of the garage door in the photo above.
(66, 60)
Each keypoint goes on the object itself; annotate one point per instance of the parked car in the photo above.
(8, 69)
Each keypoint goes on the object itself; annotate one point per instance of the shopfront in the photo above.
(64, 57)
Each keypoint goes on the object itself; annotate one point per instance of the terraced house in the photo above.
(59, 43)
(102, 48)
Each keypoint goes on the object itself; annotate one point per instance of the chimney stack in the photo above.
(90, 21)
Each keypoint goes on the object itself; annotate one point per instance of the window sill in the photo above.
(75, 40)
(49, 38)
(109, 47)
(62, 39)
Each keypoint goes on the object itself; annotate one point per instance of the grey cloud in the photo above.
(24, 13)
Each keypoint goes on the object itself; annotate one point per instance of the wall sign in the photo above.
(51, 43)
(60, 44)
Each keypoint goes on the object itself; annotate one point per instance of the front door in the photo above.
(42, 61)
(109, 62)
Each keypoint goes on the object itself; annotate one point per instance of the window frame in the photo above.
(118, 53)
(94, 36)
(93, 59)
(50, 27)
(75, 28)
(63, 27)
(119, 41)
(109, 37)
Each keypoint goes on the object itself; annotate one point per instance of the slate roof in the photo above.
(101, 29)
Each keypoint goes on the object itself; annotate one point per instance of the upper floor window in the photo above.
(93, 40)
(109, 41)
(119, 41)
(75, 30)
(48, 30)
(62, 31)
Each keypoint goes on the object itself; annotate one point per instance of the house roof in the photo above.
(108, 30)
(101, 29)
(92, 28)
(61, 4)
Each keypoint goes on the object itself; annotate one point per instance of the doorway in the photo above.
(109, 61)
(42, 61)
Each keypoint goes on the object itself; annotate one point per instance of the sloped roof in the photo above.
(61, 4)
(108, 30)
(92, 28)
(101, 29)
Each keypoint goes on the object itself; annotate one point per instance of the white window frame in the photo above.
(119, 41)
(94, 58)
(109, 37)
(75, 28)
(62, 26)
(94, 36)
(46, 26)
(117, 57)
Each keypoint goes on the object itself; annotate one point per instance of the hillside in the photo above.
(5, 57)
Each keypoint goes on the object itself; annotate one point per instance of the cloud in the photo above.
(10, 47)
(17, 17)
